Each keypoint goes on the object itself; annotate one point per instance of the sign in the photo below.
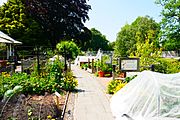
(129, 64)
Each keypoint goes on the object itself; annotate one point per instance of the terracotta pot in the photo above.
(101, 74)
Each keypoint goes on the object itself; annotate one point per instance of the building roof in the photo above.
(6, 39)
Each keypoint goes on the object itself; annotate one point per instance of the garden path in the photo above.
(91, 100)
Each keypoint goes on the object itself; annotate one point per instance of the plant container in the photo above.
(101, 74)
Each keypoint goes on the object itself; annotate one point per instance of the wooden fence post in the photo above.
(92, 66)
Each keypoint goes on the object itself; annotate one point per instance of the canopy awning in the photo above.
(6, 39)
(2, 40)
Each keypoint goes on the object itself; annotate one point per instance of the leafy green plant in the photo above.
(167, 66)
(128, 79)
(119, 86)
(68, 49)
(52, 80)
(85, 66)
(82, 66)
(96, 74)
(8, 94)
(69, 82)
(112, 86)
(107, 75)
(55, 70)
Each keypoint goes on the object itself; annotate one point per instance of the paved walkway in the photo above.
(91, 101)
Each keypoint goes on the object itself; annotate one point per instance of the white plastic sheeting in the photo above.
(149, 96)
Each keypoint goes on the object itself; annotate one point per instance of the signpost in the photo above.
(128, 65)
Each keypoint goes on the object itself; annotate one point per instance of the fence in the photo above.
(24, 59)
(170, 54)
(27, 64)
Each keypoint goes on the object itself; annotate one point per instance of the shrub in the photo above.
(51, 81)
(167, 66)
(69, 82)
(112, 86)
(85, 66)
(128, 79)
(119, 86)
(96, 74)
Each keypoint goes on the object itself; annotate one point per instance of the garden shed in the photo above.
(149, 96)
(9, 42)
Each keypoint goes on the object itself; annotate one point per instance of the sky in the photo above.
(108, 16)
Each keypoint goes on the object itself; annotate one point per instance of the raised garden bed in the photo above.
(32, 107)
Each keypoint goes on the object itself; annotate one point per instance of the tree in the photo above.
(141, 29)
(124, 37)
(15, 22)
(97, 41)
(83, 39)
(60, 19)
(170, 24)
(68, 49)
(145, 25)
(112, 46)
(147, 52)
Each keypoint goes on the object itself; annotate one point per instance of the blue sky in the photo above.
(108, 16)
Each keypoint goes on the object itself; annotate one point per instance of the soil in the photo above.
(32, 107)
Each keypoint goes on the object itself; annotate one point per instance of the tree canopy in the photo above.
(170, 24)
(60, 19)
(15, 22)
(68, 49)
(98, 41)
(139, 31)
(124, 37)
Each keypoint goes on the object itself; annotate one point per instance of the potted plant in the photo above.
(107, 70)
(121, 74)
(101, 73)
(85, 66)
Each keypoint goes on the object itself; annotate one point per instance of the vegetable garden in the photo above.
(22, 94)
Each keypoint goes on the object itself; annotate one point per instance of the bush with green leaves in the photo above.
(55, 70)
(68, 49)
(112, 86)
(166, 65)
(51, 81)
(128, 79)
(69, 82)
(119, 86)
(116, 85)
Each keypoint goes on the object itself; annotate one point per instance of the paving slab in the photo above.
(91, 100)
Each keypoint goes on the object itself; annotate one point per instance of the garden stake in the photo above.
(57, 99)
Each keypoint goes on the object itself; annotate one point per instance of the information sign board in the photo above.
(129, 64)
